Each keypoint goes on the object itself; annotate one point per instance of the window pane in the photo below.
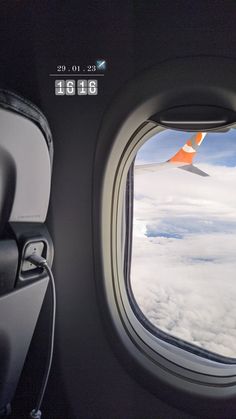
(183, 267)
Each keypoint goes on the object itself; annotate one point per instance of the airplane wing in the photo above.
(182, 159)
(193, 169)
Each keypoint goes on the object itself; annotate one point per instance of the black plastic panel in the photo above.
(19, 312)
(8, 266)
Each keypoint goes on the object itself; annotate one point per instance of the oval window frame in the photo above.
(129, 120)
(178, 356)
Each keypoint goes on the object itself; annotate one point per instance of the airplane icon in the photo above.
(101, 64)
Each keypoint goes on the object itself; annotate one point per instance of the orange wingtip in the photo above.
(187, 153)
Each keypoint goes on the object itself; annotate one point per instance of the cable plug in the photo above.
(37, 260)
(35, 414)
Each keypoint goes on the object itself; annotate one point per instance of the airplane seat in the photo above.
(26, 158)
(26, 153)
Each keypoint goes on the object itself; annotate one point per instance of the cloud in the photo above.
(183, 259)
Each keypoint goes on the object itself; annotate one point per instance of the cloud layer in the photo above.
(184, 255)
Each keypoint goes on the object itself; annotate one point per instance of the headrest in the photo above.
(26, 152)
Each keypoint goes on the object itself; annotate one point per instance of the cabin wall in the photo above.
(88, 379)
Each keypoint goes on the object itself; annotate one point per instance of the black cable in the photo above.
(40, 262)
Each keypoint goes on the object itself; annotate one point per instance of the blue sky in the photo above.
(217, 148)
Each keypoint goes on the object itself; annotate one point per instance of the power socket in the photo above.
(31, 248)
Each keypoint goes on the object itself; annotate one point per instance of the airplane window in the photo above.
(183, 263)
